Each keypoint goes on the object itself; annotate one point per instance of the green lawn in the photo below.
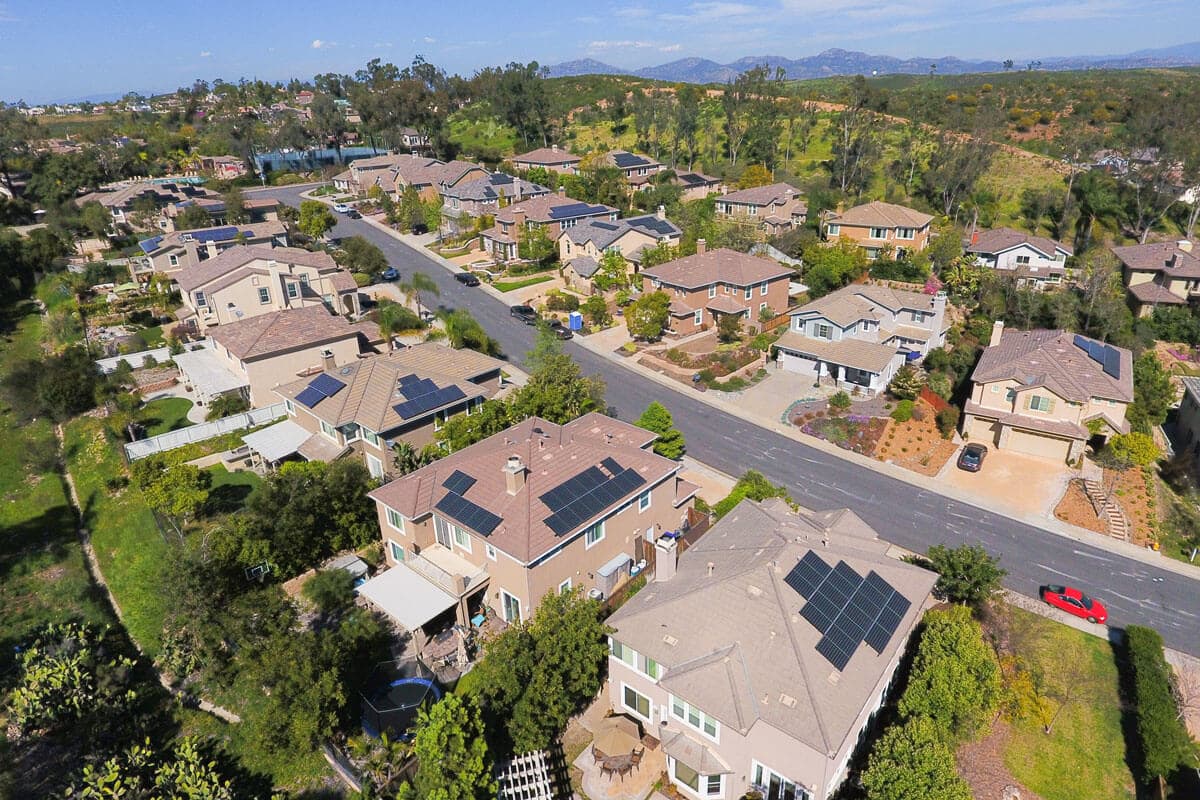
(165, 414)
(153, 336)
(508, 286)
(231, 490)
(1087, 746)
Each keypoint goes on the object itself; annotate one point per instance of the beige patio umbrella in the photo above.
(617, 736)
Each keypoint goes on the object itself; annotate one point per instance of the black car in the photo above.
(466, 278)
(560, 331)
(352, 214)
(971, 457)
(524, 313)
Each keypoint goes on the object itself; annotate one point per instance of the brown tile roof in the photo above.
(720, 265)
(547, 155)
(1053, 427)
(1166, 257)
(997, 240)
(371, 384)
(763, 195)
(281, 331)
(726, 304)
(860, 301)
(256, 230)
(877, 214)
(750, 658)
(421, 171)
(857, 353)
(1051, 359)
(537, 209)
(552, 454)
(240, 256)
(1151, 292)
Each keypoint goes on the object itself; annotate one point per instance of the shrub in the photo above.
(1165, 746)
(560, 301)
(330, 591)
(840, 401)
(903, 411)
(906, 383)
(947, 421)
(918, 413)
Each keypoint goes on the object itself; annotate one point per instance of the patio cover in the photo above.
(205, 370)
(278, 441)
(406, 597)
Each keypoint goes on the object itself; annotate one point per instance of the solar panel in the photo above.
(309, 397)
(469, 514)
(326, 384)
(806, 576)
(833, 653)
(459, 482)
(425, 402)
(846, 608)
(215, 234)
(610, 464)
(571, 210)
(626, 160)
(584, 496)
(1112, 362)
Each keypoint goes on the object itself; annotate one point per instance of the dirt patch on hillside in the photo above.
(981, 765)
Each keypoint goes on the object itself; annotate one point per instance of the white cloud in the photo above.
(1065, 12)
(321, 44)
(624, 44)
(632, 12)
(670, 48)
(206, 54)
(712, 12)
(428, 39)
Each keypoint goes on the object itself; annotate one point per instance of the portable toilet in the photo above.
(575, 321)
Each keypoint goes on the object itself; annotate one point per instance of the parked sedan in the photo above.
(524, 313)
(352, 214)
(1075, 602)
(560, 331)
(390, 274)
(466, 278)
(971, 457)
(341, 208)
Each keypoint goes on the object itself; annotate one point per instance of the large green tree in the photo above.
(912, 760)
(1153, 393)
(359, 255)
(453, 762)
(558, 391)
(648, 316)
(967, 574)
(315, 219)
(1165, 746)
(657, 418)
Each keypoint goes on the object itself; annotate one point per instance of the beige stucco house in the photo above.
(582, 247)
(537, 508)
(772, 209)
(247, 281)
(1160, 274)
(551, 158)
(1046, 393)
(553, 214)
(760, 658)
(878, 226)
(171, 253)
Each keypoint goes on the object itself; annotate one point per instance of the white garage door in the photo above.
(796, 363)
(1035, 445)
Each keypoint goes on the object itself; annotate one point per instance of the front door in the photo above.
(442, 531)
(511, 607)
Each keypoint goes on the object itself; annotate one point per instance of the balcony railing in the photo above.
(455, 584)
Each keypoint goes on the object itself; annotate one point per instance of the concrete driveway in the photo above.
(1025, 484)
(770, 397)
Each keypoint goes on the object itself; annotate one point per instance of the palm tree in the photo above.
(1097, 197)
(391, 319)
(419, 283)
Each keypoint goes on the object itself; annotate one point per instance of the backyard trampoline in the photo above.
(396, 691)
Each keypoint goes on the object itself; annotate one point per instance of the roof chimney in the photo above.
(701, 246)
(1185, 245)
(514, 475)
(327, 361)
(661, 213)
(554, 147)
(562, 191)
(666, 555)
(997, 332)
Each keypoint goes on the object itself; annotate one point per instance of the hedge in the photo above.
(1165, 745)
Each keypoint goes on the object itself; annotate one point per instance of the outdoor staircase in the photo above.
(1108, 510)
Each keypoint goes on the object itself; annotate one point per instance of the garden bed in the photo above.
(1135, 490)
(1076, 509)
(859, 434)
(917, 444)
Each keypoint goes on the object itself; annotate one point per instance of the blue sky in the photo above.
(57, 50)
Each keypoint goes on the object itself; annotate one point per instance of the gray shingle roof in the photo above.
(997, 240)
(1051, 359)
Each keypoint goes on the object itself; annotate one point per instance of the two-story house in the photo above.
(256, 354)
(760, 656)
(363, 173)
(878, 226)
(534, 509)
(712, 283)
(257, 209)
(551, 158)
(469, 200)
(553, 214)
(1032, 261)
(581, 248)
(126, 201)
(772, 209)
(860, 335)
(171, 253)
(638, 169)
(246, 281)
(1160, 274)
(1187, 423)
(405, 395)
(429, 176)
(697, 185)
(1046, 393)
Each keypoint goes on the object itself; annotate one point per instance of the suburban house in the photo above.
(405, 395)
(638, 169)
(247, 281)
(551, 158)
(877, 226)
(1160, 274)
(773, 209)
(414, 141)
(475, 198)
(697, 185)
(552, 213)
(712, 283)
(760, 656)
(859, 336)
(258, 209)
(429, 176)
(364, 173)
(1046, 393)
(1033, 261)
(1187, 421)
(223, 168)
(256, 354)
(124, 200)
(581, 247)
(534, 509)
(171, 253)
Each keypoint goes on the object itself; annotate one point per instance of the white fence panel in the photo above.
(204, 431)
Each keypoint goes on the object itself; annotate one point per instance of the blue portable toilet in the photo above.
(575, 321)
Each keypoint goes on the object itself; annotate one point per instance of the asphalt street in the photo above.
(911, 517)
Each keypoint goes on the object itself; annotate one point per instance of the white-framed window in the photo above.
(491, 551)
(749, 292)
(461, 538)
(712, 290)
(684, 776)
(906, 233)
(623, 653)
(304, 279)
(761, 307)
(510, 607)
(173, 260)
(1040, 403)
(798, 324)
(698, 317)
(293, 290)
(201, 300)
(374, 466)
(565, 586)
(635, 702)
(290, 406)
(396, 550)
(1022, 259)
(394, 519)
(762, 289)
(264, 295)
(695, 718)
(643, 501)
(824, 331)
(833, 230)
(752, 211)
(328, 430)
(878, 233)
(369, 436)
(594, 534)
(773, 785)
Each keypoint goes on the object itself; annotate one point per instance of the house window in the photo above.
(304, 279)
(752, 211)
(798, 325)
(749, 292)
(906, 233)
(565, 586)
(712, 290)
(290, 406)
(637, 703)
(293, 290)
(917, 316)
(762, 307)
(878, 233)
(328, 430)
(623, 653)
(824, 331)
(653, 669)
(396, 550)
(694, 717)
(643, 501)
(774, 786)
(698, 317)
(394, 519)
(1022, 259)
(833, 230)
(439, 420)
(762, 289)
(683, 774)
(461, 538)
(370, 437)
(173, 260)
(1039, 403)
(491, 551)
(374, 466)
(510, 607)
(201, 300)
(594, 534)
(264, 295)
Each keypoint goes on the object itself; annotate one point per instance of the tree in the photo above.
(418, 284)
(330, 590)
(227, 405)
(179, 492)
(829, 268)
(536, 245)
(729, 328)
(957, 164)
(856, 144)
(907, 383)
(410, 213)
(382, 762)
(648, 316)
(752, 485)
(394, 318)
(17, 132)
(1098, 198)
(235, 206)
(1153, 393)
(657, 418)
(912, 760)
(613, 272)
(96, 219)
(595, 311)
(406, 458)
(452, 754)
(955, 680)
(186, 771)
(356, 254)
(315, 219)
(1134, 448)
(967, 574)
(557, 391)
(755, 175)
(463, 330)
(1165, 745)
(192, 218)
(463, 430)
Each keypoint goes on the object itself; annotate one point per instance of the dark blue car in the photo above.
(390, 274)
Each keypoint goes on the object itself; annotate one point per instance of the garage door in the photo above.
(982, 431)
(795, 363)
(1035, 445)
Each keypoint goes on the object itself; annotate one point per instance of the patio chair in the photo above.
(636, 758)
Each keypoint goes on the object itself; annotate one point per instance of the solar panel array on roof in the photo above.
(151, 244)
(318, 389)
(462, 510)
(216, 234)
(459, 482)
(626, 160)
(576, 210)
(652, 223)
(1108, 357)
(422, 395)
(581, 498)
(845, 607)
(1112, 362)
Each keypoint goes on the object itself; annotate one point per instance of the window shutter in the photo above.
(1028, 401)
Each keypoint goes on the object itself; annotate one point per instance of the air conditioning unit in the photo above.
(595, 594)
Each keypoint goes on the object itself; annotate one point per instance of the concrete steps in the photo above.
(1108, 510)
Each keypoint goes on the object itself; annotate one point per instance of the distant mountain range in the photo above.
(849, 62)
